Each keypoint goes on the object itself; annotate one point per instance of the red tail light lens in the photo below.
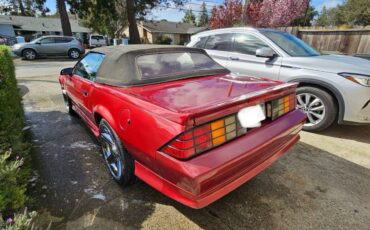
(204, 137)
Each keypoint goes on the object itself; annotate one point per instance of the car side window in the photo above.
(248, 44)
(47, 41)
(221, 42)
(200, 43)
(89, 66)
(63, 40)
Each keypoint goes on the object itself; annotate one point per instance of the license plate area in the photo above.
(252, 116)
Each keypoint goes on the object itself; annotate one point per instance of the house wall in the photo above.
(7, 30)
(145, 36)
(150, 38)
(177, 39)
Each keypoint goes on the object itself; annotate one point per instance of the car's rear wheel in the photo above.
(29, 54)
(318, 105)
(118, 160)
(74, 53)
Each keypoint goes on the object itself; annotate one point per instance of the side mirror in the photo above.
(265, 52)
(66, 71)
(38, 43)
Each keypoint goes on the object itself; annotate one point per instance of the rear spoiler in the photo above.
(235, 104)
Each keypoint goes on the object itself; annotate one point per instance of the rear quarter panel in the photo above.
(141, 131)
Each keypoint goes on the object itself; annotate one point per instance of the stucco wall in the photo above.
(149, 37)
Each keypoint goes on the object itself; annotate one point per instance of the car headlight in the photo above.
(16, 46)
(357, 78)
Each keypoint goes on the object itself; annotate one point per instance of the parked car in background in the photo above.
(97, 41)
(331, 87)
(50, 46)
(178, 120)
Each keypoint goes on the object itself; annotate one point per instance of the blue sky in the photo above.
(172, 14)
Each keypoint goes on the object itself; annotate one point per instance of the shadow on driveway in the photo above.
(359, 133)
(46, 59)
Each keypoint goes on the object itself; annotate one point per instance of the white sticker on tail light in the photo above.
(251, 117)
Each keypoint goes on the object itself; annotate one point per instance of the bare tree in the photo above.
(66, 26)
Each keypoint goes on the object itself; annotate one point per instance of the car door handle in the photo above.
(84, 92)
(234, 58)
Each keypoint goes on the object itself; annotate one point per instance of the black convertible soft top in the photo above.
(119, 67)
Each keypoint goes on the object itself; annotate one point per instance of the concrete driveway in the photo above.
(322, 183)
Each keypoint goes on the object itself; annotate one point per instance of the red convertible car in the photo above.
(179, 121)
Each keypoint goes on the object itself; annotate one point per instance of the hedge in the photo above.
(162, 39)
(14, 151)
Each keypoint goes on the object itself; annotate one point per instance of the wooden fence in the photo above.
(332, 39)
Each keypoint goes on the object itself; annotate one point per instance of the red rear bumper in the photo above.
(208, 177)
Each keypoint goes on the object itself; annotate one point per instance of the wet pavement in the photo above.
(321, 183)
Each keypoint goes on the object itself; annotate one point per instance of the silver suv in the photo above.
(331, 87)
(50, 46)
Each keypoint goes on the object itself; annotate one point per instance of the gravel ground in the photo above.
(321, 183)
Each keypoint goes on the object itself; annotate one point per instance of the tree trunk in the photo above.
(21, 8)
(66, 26)
(132, 25)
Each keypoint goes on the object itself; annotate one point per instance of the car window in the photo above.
(248, 44)
(97, 37)
(47, 40)
(200, 43)
(162, 65)
(219, 42)
(294, 46)
(89, 66)
(63, 40)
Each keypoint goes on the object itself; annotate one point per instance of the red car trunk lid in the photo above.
(203, 96)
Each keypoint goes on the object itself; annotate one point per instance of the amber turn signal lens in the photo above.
(281, 106)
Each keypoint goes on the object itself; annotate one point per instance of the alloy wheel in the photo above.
(312, 106)
(111, 153)
(74, 54)
(30, 55)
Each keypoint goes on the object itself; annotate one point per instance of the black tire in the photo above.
(327, 101)
(68, 104)
(29, 54)
(126, 175)
(74, 53)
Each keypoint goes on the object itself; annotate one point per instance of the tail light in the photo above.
(204, 137)
(215, 133)
(281, 106)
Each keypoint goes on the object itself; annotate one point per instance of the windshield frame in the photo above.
(311, 52)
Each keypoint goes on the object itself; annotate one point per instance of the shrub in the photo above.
(14, 170)
(161, 39)
(19, 221)
(12, 188)
(11, 110)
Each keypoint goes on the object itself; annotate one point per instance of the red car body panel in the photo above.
(147, 117)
